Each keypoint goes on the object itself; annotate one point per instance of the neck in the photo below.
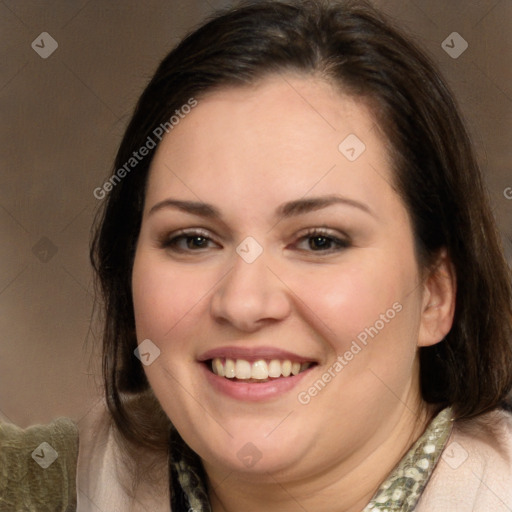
(346, 486)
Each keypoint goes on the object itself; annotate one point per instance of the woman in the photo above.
(306, 302)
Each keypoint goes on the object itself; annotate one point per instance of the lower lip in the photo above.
(253, 391)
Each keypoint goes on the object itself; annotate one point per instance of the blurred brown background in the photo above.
(62, 118)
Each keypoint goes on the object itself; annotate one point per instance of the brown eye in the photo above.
(188, 242)
(319, 243)
(322, 242)
(196, 242)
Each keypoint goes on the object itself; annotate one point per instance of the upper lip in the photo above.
(253, 354)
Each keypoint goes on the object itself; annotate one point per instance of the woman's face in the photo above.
(273, 241)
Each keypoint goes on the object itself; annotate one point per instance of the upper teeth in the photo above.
(261, 369)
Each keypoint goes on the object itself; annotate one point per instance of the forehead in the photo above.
(281, 139)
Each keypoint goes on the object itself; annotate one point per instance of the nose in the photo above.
(250, 296)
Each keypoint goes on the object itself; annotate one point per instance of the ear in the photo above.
(438, 307)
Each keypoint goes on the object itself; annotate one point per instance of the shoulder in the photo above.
(38, 465)
(105, 475)
(475, 469)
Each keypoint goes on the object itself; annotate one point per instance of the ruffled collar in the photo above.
(400, 492)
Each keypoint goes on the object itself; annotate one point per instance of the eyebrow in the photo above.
(289, 209)
(193, 207)
(302, 206)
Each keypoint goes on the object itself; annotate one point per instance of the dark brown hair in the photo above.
(353, 47)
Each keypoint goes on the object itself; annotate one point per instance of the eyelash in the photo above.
(186, 235)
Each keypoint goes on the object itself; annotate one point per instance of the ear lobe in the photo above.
(438, 308)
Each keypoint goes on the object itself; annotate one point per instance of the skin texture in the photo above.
(246, 151)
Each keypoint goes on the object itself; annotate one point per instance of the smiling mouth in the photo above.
(258, 371)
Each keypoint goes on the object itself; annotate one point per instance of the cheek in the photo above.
(165, 296)
(368, 317)
(167, 301)
(352, 297)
